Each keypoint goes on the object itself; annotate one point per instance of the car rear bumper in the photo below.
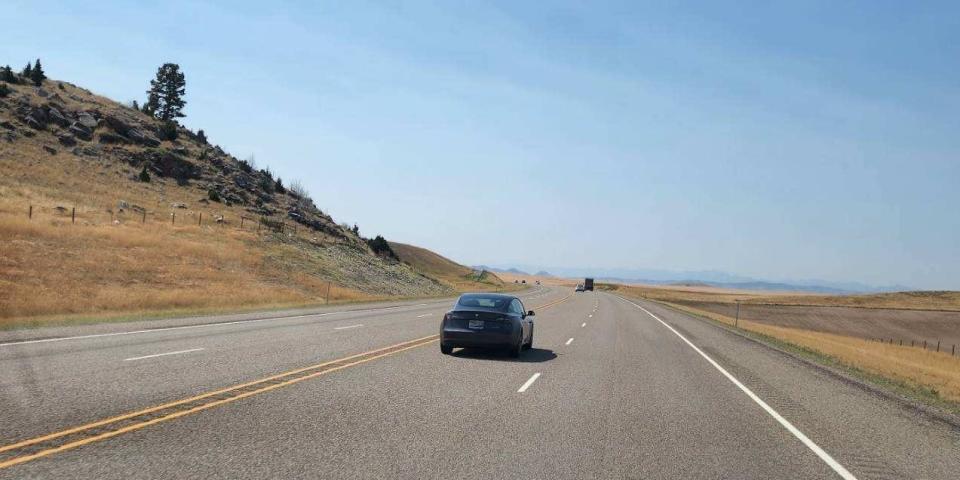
(477, 338)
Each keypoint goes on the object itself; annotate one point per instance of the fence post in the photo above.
(73, 215)
(953, 350)
(924, 344)
(144, 220)
(259, 221)
(901, 342)
(30, 213)
(328, 292)
(200, 219)
(737, 321)
(938, 345)
(911, 343)
(173, 218)
(241, 222)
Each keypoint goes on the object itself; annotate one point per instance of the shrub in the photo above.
(201, 136)
(144, 175)
(278, 186)
(380, 246)
(266, 183)
(298, 190)
(213, 195)
(167, 131)
(245, 166)
(4, 90)
(7, 75)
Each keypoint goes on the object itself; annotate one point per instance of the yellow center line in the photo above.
(362, 358)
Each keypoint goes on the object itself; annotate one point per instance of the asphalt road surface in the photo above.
(611, 389)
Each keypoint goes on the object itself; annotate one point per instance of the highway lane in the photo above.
(627, 398)
(49, 386)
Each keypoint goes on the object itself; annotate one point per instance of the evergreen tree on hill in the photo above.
(165, 97)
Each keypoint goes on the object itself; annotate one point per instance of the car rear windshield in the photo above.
(484, 301)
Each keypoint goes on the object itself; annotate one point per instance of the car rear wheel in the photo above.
(516, 350)
(446, 349)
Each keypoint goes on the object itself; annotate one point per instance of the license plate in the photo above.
(475, 324)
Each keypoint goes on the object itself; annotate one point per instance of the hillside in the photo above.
(450, 273)
(84, 235)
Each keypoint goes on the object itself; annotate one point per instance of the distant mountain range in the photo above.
(711, 278)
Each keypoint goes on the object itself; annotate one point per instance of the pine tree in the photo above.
(202, 137)
(6, 74)
(144, 175)
(151, 105)
(37, 74)
(165, 96)
(27, 71)
(134, 105)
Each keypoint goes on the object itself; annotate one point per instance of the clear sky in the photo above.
(796, 140)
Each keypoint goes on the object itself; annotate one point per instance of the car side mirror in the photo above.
(531, 314)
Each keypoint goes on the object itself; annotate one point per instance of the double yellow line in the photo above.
(45, 445)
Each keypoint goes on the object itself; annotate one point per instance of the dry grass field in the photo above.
(457, 277)
(925, 370)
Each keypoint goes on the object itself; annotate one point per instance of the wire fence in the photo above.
(929, 346)
(178, 215)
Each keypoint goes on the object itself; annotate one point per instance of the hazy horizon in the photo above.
(776, 142)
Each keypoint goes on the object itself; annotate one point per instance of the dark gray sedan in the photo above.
(487, 320)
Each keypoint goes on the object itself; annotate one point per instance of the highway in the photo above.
(612, 389)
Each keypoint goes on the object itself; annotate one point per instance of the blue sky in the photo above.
(769, 139)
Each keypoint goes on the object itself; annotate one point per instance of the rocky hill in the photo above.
(103, 211)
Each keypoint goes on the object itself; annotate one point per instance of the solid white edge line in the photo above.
(529, 382)
(569, 342)
(829, 460)
(162, 354)
(348, 326)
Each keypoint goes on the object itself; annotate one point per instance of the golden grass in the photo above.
(916, 367)
(51, 270)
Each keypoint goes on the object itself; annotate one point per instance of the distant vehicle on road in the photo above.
(523, 281)
(588, 284)
(579, 287)
(487, 320)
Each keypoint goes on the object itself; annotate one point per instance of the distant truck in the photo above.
(588, 284)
